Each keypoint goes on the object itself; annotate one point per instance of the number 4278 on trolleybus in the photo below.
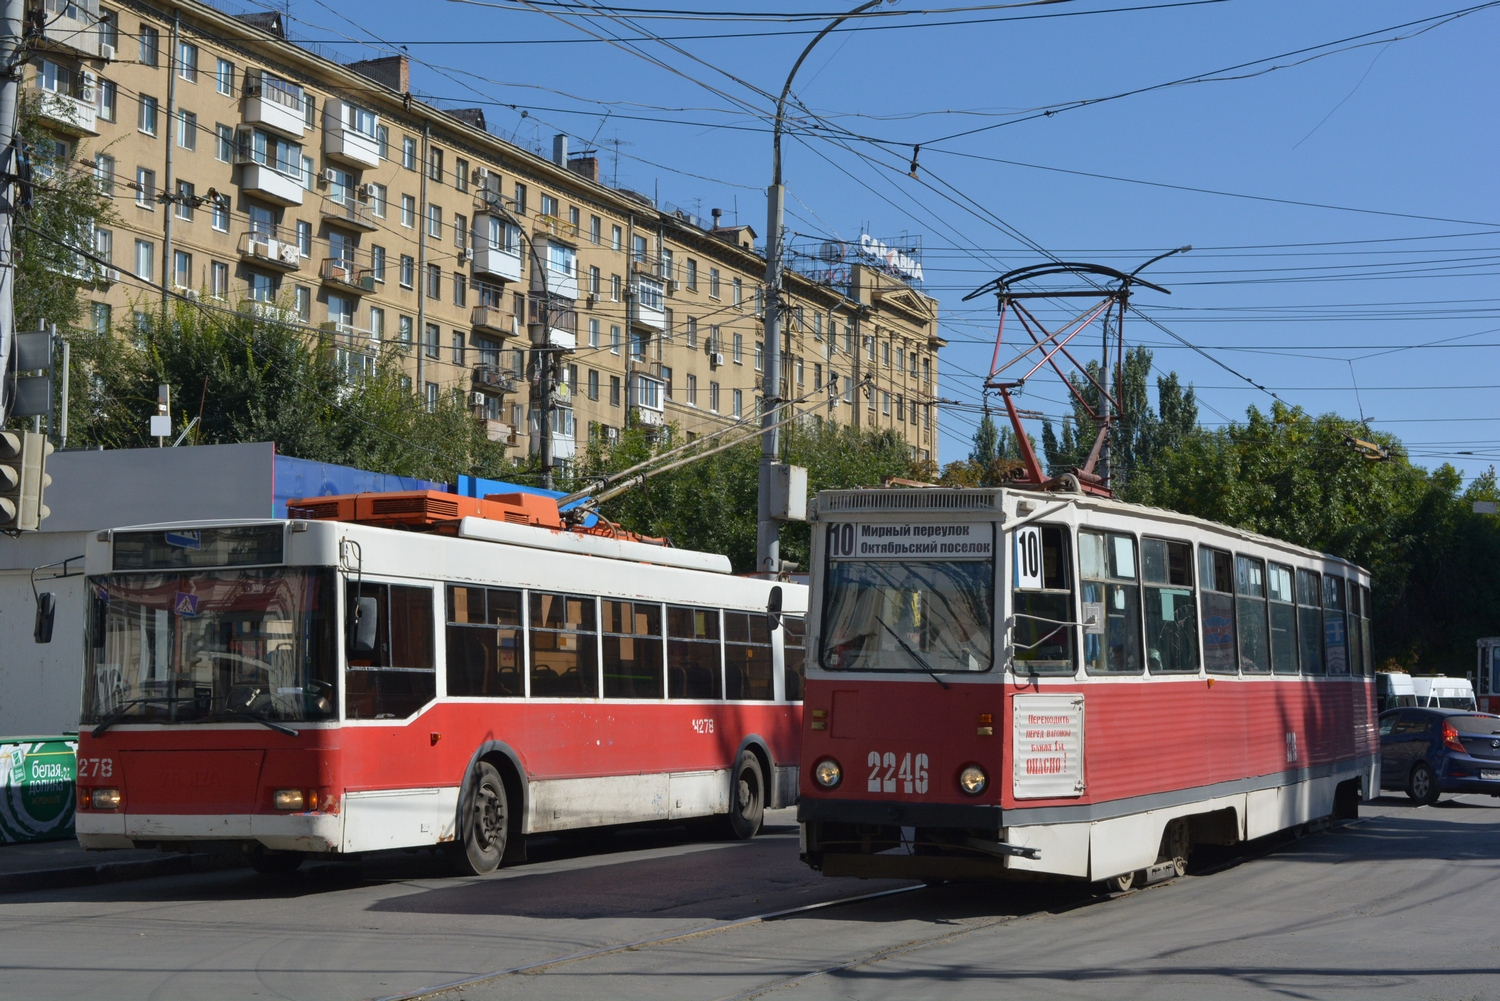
(421, 669)
(1019, 683)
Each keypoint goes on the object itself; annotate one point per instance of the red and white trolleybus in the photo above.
(421, 669)
(1019, 683)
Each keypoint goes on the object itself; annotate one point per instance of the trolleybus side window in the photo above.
(632, 649)
(1310, 621)
(1171, 612)
(1043, 631)
(1335, 628)
(1216, 587)
(1283, 619)
(485, 655)
(1250, 615)
(398, 677)
(794, 655)
(693, 653)
(747, 657)
(1112, 600)
(1366, 666)
(564, 646)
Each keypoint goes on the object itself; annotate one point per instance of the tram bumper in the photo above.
(872, 839)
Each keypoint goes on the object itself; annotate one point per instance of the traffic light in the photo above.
(23, 478)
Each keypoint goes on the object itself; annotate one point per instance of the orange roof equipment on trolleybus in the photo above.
(422, 669)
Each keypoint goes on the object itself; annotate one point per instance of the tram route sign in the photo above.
(911, 540)
(1047, 743)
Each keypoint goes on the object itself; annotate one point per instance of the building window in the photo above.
(182, 269)
(218, 279)
(713, 397)
(224, 143)
(145, 258)
(593, 332)
(377, 200)
(460, 231)
(146, 120)
(435, 221)
(885, 353)
(594, 229)
(150, 45)
(109, 28)
(460, 289)
(817, 376)
(637, 347)
(817, 326)
(383, 141)
(377, 262)
(108, 96)
(432, 396)
(403, 333)
(408, 271)
(690, 391)
(614, 339)
(594, 281)
(614, 288)
(430, 340)
(690, 333)
(520, 199)
(408, 211)
(224, 77)
(104, 174)
(713, 283)
(692, 275)
(304, 238)
(461, 173)
(593, 384)
(738, 400)
(145, 188)
(458, 347)
(760, 354)
(885, 402)
(101, 317)
(616, 239)
(187, 61)
(799, 371)
(409, 153)
(739, 293)
(377, 324)
(434, 281)
(184, 200)
(739, 349)
(104, 245)
(434, 164)
(549, 205)
(614, 390)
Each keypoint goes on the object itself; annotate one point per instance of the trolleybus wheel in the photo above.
(1421, 786)
(747, 797)
(484, 825)
(275, 863)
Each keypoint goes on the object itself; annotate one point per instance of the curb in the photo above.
(113, 872)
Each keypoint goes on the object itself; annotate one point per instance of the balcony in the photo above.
(501, 432)
(561, 322)
(646, 396)
(274, 104)
(648, 266)
(72, 25)
(74, 115)
(265, 250)
(647, 309)
(494, 379)
(270, 184)
(495, 320)
(561, 281)
(496, 262)
(346, 276)
(347, 337)
(551, 225)
(345, 143)
(350, 213)
(563, 443)
(269, 311)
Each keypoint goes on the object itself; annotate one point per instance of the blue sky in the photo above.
(1286, 295)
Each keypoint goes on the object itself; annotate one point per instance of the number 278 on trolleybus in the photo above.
(422, 669)
(1017, 683)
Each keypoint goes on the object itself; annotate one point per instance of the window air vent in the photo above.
(912, 500)
(416, 505)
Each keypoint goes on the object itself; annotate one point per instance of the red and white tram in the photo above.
(1018, 683)
(420, 669)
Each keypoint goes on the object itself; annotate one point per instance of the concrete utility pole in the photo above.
(768, 529)
(12, 18)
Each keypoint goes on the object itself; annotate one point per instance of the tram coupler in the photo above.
(1002, 848)
(1160, 873)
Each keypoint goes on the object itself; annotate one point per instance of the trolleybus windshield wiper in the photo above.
(122, 710)
(218, 716)
(914, 655)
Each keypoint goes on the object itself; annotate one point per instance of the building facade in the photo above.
(250, 173)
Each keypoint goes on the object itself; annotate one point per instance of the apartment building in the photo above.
(251, 173)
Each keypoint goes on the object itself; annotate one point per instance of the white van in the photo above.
(1394, 690)
(1437, 692)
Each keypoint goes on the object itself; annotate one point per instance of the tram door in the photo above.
(1487, 684)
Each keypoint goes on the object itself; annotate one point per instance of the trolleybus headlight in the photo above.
(105, 799)
(972, 780)
(828, 773)
(288, 799)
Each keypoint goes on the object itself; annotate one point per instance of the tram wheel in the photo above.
(275, 863)
(747, 798)
(1120, 883)
(1422, 785)
(484, 826)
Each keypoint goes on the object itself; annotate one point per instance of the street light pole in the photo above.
(768, 529)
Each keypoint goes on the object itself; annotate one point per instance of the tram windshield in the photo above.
(918, 616)
(211, 645)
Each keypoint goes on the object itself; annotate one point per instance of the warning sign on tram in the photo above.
(920, 541)
(1047, 742)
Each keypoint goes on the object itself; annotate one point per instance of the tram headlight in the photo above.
(973, 780)
(105, 799)
(828, 773)
(288, 799)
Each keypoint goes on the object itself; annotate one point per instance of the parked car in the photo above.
(1427, 752)
(1393, 690)
(1438, 692)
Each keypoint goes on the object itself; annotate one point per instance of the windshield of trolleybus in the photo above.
(918, 616)
(212, 644)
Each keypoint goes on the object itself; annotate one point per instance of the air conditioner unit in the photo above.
(106, 52)
(673, 285)
(590, 300)
(326, 178)
(368, 190)
(716, 359)
(466, 255)
(477, 176)
(191, 294)
(477, 398)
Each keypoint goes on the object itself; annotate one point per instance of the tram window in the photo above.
(693, 653)
(1335, 629)
(398, 677)
(1171, 612)
(1356, 644)
(1111, 603)
(632, 650)
(1250, 615)
(1216, 587)
(1279, 584)
(1365, 614)
(1043, 633)
(794, 655)
(564, 651)
(747, 657)
(1310, 621)
(484, 642)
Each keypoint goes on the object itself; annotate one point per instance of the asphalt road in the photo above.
(1403, 904)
